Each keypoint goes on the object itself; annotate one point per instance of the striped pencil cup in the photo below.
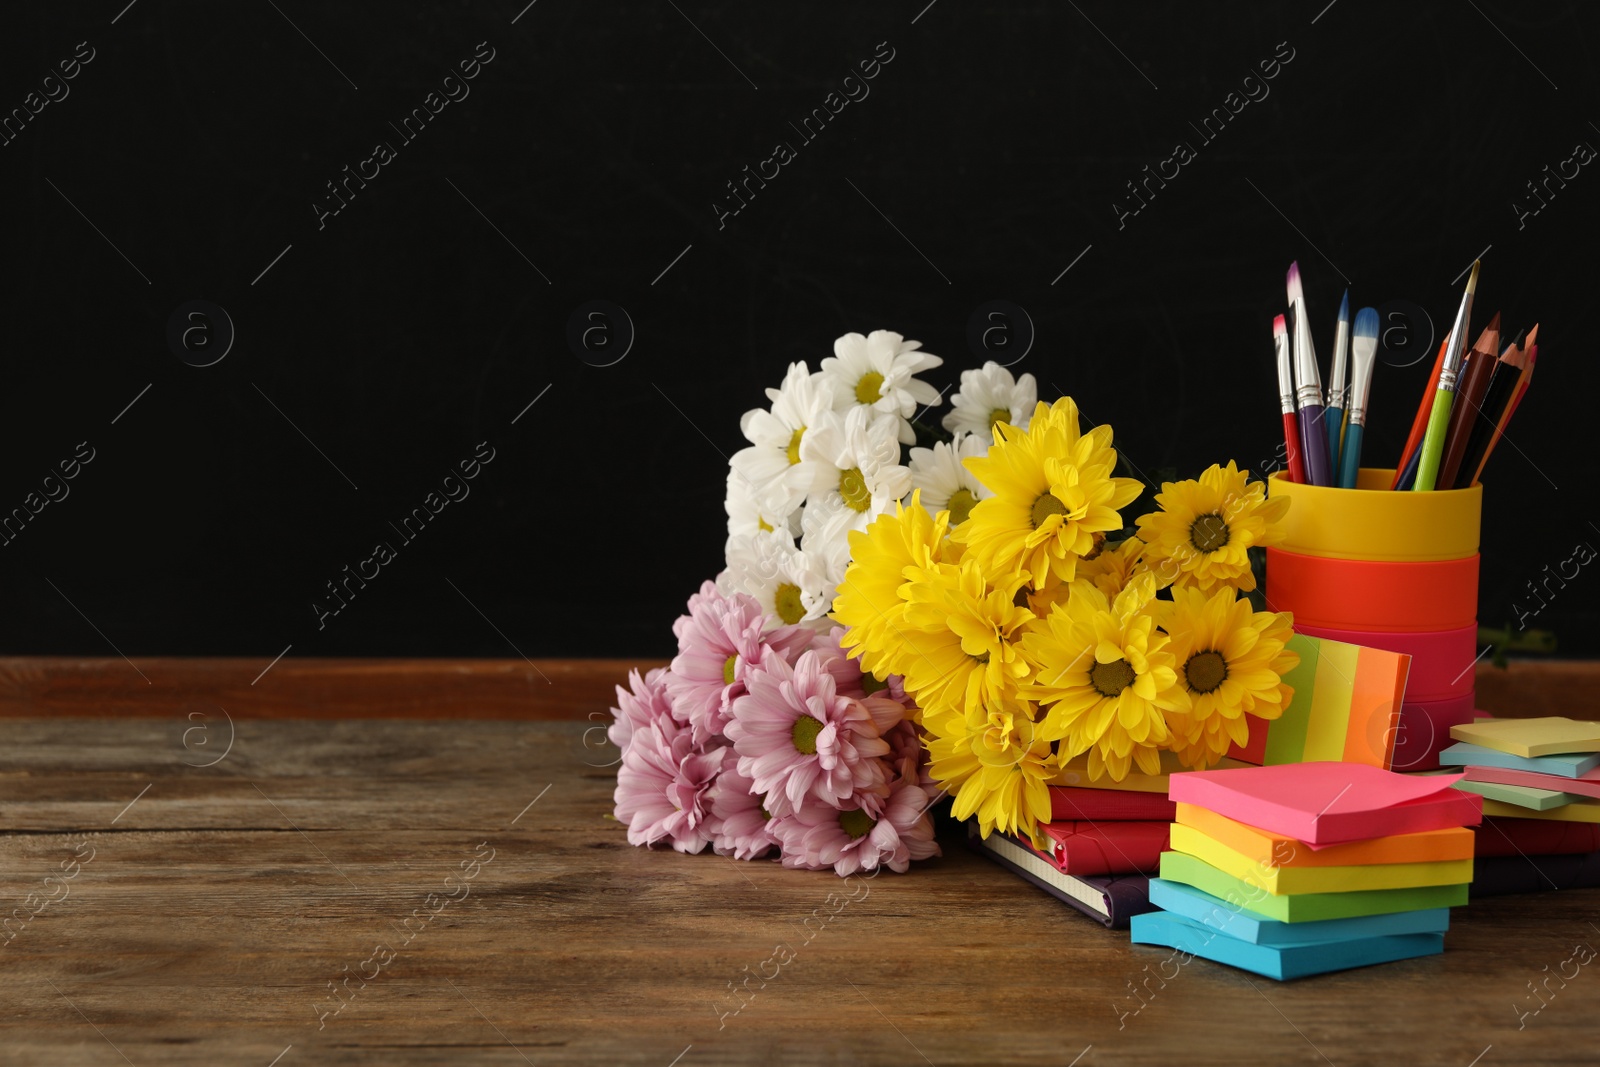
(1390, 570)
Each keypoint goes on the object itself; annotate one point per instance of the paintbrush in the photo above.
(1338, 391)
(1308, 388)
(1366, 354)
(1291, 431)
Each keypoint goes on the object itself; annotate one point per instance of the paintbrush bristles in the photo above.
(1295, 292)
(1472, 282)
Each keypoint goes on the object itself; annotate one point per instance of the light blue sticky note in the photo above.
(1203, 908)
(1284, 961)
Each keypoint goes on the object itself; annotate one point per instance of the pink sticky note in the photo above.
(1329, 803)
(1587, 785)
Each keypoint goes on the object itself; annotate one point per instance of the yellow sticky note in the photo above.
(1552, 736)
(1280, 881)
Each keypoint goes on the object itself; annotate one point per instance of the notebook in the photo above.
(1567, 765)
(1535, 837)
(1086, 848)
(1279, 850)
(1304, 907)
(1554, 735)
(1242, 926)
(1110, 899)
(1329, 803)
(1069, 803)
(1283, 880)
(1499, 875)
(1280, 961)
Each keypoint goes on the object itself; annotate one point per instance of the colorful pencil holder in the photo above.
(1390, 570)
(1372, 522)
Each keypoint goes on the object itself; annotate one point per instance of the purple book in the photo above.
(1110, 899)
(1494, 876)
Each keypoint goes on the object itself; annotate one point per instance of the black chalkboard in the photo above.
(385, 229)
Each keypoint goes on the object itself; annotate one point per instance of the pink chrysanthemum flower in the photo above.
(642, 703)
(719, 642)
(663, 787)
(738, 821)
(817, 836)
(797, 737)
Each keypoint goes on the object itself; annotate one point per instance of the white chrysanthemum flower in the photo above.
(745, 514)
(772, 465)
(791, 586)
(945, 481)
(856, 455)
(825, 528)
(989, 396)
(876, 371)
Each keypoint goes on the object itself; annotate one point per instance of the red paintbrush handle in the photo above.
(1291, 438)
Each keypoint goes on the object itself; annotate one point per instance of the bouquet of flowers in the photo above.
(896, 623)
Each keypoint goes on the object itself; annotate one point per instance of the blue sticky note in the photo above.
(1210, 911)
(1281, 962)
(1569, 765)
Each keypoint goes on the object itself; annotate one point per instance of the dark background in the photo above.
(1389, 153)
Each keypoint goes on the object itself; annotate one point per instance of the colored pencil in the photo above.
(1420, 421)
(1338, 391)
(1497, 398)
(1407, 478)
(1365, 351)
(1526, 383)
(1432, 447)
(1308, 387)
(1291, 428)
(1474, 382)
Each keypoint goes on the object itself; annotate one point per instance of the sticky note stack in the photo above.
(1540, 780)
(1301, 869)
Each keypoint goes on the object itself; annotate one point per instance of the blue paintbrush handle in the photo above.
(1350, 457)
(1334, 417)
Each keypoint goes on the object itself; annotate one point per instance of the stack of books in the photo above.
(1101, 847)
(1540, 780)
(1303, 869)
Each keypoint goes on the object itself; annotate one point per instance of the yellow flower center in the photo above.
(727, 669)
(793, 450)
(1205, 671)
(763, 524)
(1046, 506)
(870, 685)
(999, 415)
(806, 729)
(853, 487)
(1110, 679)
(869, 390)
(1209, 533)
(786, 602)
(856, 823)
(961, 502)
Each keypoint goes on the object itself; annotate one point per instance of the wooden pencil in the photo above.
(1474, 382)
(1502, 388)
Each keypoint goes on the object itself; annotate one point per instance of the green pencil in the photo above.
(1432, 448)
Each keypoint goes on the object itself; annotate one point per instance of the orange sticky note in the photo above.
(1280, 850)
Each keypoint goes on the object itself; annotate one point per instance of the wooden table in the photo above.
(213, 910)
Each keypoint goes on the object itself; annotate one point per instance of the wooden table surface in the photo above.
(220, 914)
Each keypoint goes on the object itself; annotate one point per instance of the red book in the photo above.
(1499, 836)
(1127, 847)
(1076, 803)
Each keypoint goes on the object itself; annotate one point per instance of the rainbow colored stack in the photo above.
(1302, 869)
(1389, 570)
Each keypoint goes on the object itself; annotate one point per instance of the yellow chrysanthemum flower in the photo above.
(1114, 566)
(1053, 491)
(995, 765)
(1200, 536)
(1231, 661)
(962, 639)
(1107, 675)
(871, 600)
